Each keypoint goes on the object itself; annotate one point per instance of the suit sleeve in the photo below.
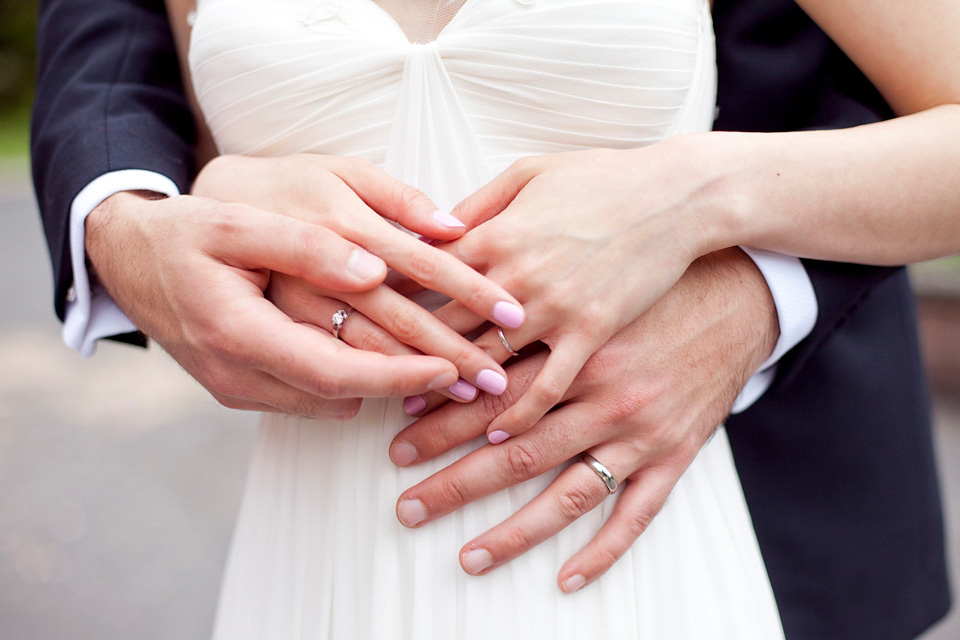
(109, 98)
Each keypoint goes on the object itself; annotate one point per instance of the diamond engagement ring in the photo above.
(601, 471)
(503, 341)
(338, 319)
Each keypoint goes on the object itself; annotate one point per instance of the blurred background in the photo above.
(120, 477)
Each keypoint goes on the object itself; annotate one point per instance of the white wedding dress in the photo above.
(318, 552)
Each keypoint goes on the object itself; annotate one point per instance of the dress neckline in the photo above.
(396, 25)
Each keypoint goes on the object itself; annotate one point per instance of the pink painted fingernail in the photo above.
(414, 405)
(498, 436)
(429, 241)
(403, 453)
(447, 220)
(476, 560)
(508, 314)
(364, 265)
(463, 390)
(491, 382)
(573, 583)
(411, 512)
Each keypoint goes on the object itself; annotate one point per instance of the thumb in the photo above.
(493, 197)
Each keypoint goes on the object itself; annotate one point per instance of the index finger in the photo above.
(323, 366)
(492, 468)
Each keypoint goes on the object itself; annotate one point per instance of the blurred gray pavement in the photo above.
(120, 477)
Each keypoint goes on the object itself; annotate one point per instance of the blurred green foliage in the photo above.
(18, 20)
(17, 59)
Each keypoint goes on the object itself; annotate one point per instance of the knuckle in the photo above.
(369, 339)
(576, 500)
(424, 267)
(492, 406)
(223, 386)
(605, 557)
(403, 323)
(548, 391)
(517, 540)
(325, 385)
(627, 405)
(409, 197)
(636, 524)
(227, 218)
(520, 462)
(452, 492)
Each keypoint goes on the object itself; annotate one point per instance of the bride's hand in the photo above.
(355, 200)
(587, 241)
(643, 406)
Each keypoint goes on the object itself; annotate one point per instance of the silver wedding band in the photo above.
(503, 341)
(338, 319)
(602, 472)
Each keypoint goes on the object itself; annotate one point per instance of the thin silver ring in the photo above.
(338, 319)
(503, 341)
(601, 471)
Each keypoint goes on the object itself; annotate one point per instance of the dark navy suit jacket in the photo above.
(836, 459)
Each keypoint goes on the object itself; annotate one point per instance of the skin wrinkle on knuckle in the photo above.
(515, 541)
(519, 461)
(369, 339)
(403, 323)
(576, 500)
(451, 493)
(604, 558)
(423, 266)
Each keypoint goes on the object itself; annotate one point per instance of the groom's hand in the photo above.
(190, 272)
(643, 405)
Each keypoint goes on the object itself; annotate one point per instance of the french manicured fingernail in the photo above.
(573, 583)
(463, 390)
(491, 382)
(414, 405)
(476, 560)
(442, 381)
(447, 220)
(498, 436)
(403, 453)
(364, 265)
(508, 314)
(411, 512)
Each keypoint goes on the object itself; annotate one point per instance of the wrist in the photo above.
(103, 232)
(723, 207)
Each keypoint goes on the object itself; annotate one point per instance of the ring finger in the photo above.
(574, 492)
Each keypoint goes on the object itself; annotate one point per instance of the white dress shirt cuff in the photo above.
(797, 311)
(92, 314)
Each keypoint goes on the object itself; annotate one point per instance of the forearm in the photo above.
(883, 193)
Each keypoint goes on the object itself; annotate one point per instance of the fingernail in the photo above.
(508, 314)
(476, 560)
(411, 512)
(414, 405)
(463, 390)
(447, 220)
(403, 453)
(491, 382)
(429, 241)
(573, 583)
(443, 381)
(498, 436)
(364, 265)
